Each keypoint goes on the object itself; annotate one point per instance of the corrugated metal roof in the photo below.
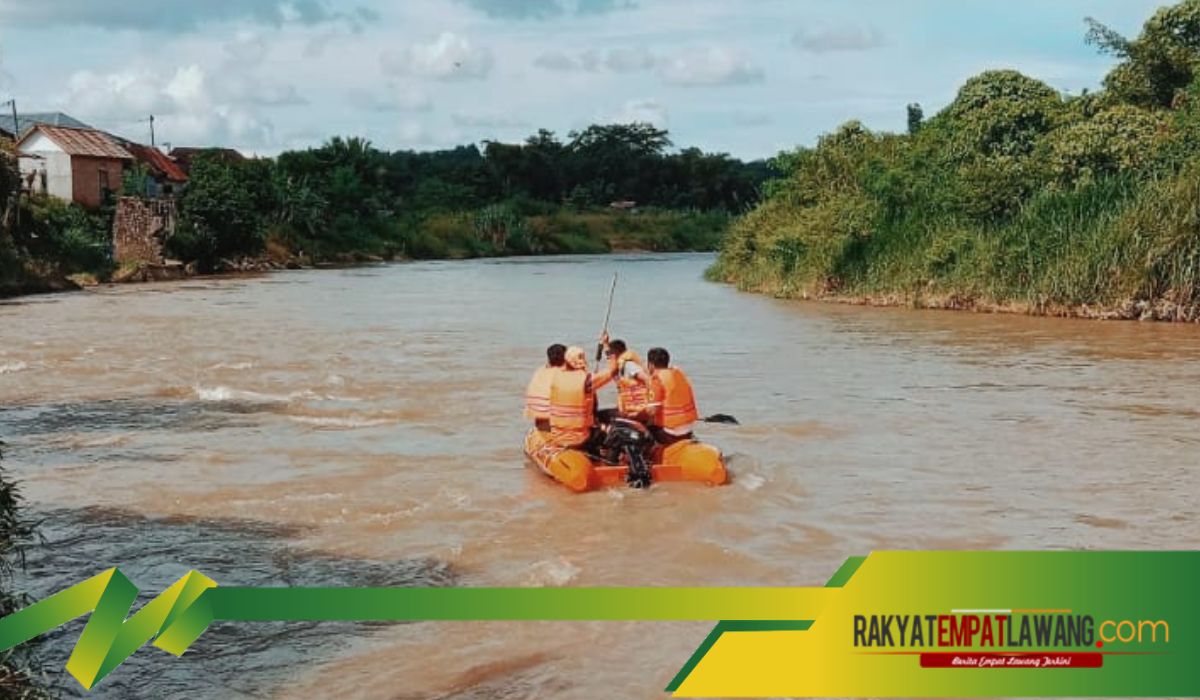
(28, 120)
(82, 142)
(158, 162)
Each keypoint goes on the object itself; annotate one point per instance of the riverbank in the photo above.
(438, 237)
(1131, 310)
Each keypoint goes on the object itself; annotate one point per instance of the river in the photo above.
(362, 427)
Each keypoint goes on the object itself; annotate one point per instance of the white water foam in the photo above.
(552, 572)
(233, 365)
(750, 482)
(224, 393)
(345, 423)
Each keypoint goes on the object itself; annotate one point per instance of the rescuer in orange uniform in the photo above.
(573, 401)
(633, 381)
(537, 394)
(676, 415)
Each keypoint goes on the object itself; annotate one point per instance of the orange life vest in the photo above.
(571, 401)
(678, 401)
(537, 394)
(632, 395)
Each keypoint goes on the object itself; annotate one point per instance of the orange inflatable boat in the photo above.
(687, 460)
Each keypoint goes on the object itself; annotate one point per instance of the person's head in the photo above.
(576, 358)
(616, 348)
(658, 358)
(556, 355)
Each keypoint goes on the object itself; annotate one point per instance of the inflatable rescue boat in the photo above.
(628, 457)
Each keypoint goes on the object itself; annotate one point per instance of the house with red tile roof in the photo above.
(165, 177)
(77, 165)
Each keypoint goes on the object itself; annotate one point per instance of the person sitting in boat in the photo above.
(675, 415)
(573, 401)
(633, 382)
(537, 394)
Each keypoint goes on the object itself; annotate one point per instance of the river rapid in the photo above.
(363, 427)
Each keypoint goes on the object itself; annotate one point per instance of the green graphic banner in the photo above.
(895, 623)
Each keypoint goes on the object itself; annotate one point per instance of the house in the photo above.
(24, 121)
(78, 165)
(166, 178)
(184, 156)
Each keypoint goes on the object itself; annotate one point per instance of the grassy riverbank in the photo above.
(1014, 197)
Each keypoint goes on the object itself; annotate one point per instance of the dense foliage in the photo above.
(1013, 194)
(349, 200)
(540, 196)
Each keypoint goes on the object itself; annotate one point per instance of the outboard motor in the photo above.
(630, 440)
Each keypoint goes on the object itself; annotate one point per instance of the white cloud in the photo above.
(556, 61)
(839, 38)
(629, 60)
(619, 60)
(650, 111)
(709, 66)
(546, 9)
(488, 120)
(449, 57)
(154, 15)
(187, 108)
(247, 48)
(405, 98)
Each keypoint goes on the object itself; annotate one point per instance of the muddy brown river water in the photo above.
(363, 427)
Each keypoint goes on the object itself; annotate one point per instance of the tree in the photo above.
(1001, 113)
(916, 117)
(1119, 139)
(223, 210)
(1157, 65)
(10, 181)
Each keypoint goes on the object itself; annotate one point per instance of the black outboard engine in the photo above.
(630, 440)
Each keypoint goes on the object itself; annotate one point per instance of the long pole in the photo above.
(607, 315)
(151, 131)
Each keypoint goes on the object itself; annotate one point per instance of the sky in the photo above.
(748, 77)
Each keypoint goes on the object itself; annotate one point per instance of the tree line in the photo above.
(347, 195)
(347, 198)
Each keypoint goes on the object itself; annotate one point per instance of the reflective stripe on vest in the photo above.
(631, 393)
(537, 394)
(571, 402)
(678, 402)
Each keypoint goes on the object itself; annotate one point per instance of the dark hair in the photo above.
(659, 358)
(556, 355)
(617, 346)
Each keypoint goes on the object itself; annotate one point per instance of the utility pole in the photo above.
(16, 126)
(151, 131)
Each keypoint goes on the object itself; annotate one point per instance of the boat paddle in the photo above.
(721, 418)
